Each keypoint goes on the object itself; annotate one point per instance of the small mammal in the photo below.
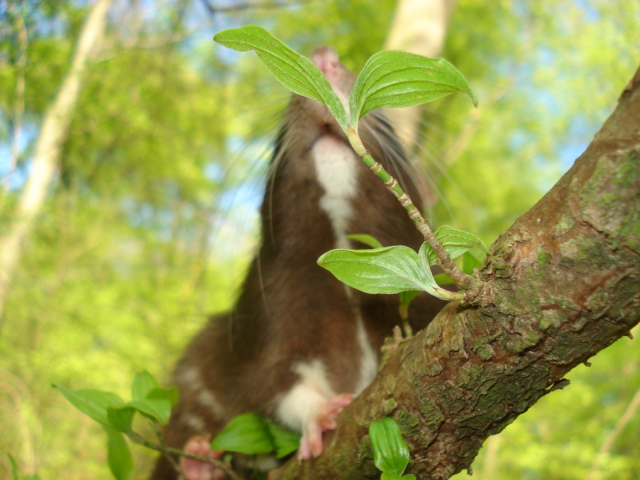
(299, 344)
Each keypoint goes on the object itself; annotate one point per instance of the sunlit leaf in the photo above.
(295, 72)
(380, 270)
(457, 242)
(393, 79)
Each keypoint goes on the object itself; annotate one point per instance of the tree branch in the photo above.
(560, 285)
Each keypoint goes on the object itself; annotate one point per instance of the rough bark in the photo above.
(419, 26)
(560, 285)
(55, 127)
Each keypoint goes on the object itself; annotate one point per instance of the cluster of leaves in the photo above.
(398, 268)
(144, 270)
(389, 79)
(248, 433)
(116, 416)
(252, 434)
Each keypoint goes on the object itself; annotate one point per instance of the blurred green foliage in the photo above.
(149, 225)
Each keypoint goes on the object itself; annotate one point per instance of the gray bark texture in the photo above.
(560, 285)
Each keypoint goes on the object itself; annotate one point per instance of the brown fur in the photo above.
(290, 309)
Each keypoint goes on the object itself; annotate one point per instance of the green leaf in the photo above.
(92, 402)
(142, 384)
(368, 240)
(121, 417)
(427, 256)
(295, 72)
(284, 439)
(247, 433)
(172, 395)
(457, 242)
(118, 455)
(157, 409)
(380, 270)
(390, 452)
(395, 79)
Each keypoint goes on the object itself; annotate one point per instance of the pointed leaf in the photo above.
(395, 79)
(380, 270)
(285, 440)
(119, 455)
(390, 452)
(427, 256)
(246, 433)
(295, 72)
(457, 242)
(92, 402)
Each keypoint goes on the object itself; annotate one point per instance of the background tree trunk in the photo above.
(560, 285)
(47, 153)
(420, 27)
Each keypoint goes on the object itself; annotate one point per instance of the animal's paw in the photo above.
(322, 421)
(196, 470)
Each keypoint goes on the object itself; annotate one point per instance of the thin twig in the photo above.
(136, 438)
(445, 262)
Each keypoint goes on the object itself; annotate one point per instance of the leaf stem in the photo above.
(466, 282)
